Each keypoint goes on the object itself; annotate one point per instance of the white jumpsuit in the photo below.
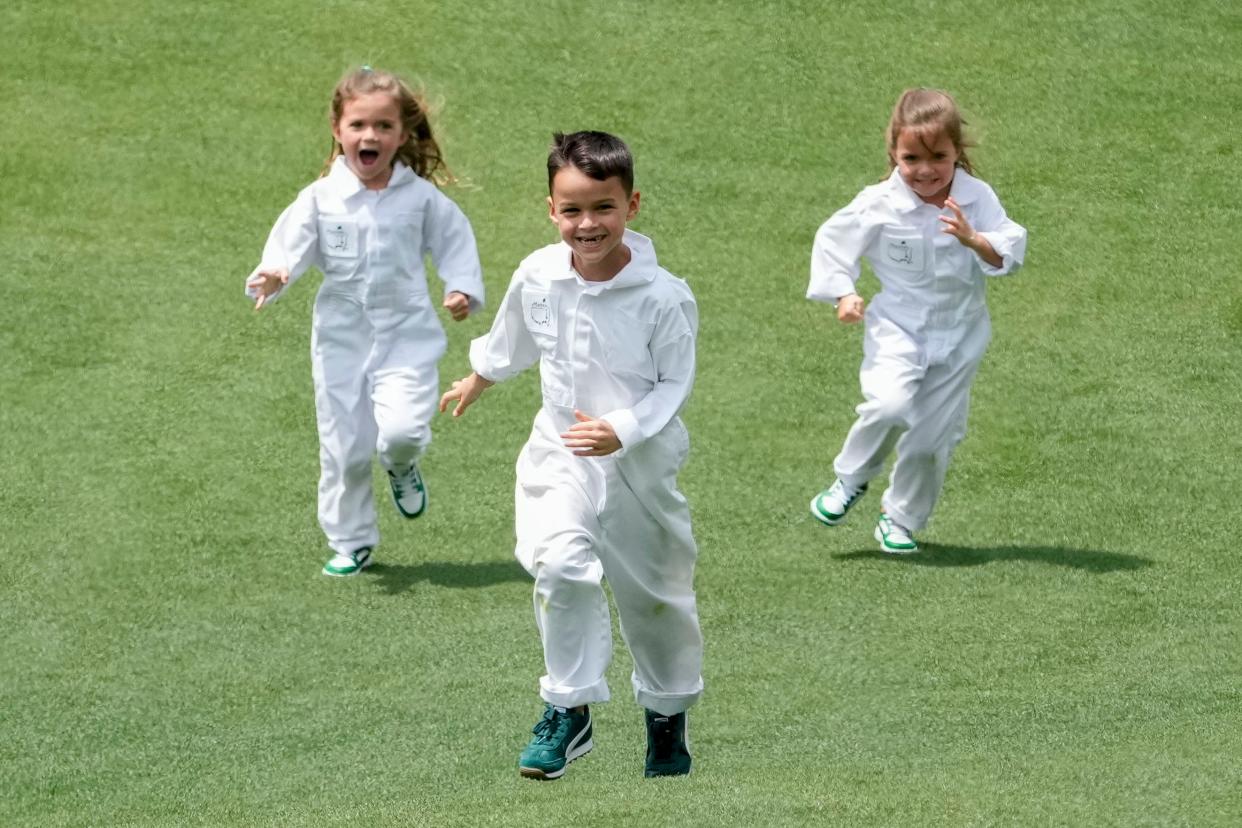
(376, 339)
(623, 351)
(925, 331)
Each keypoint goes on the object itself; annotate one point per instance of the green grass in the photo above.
(1066, 652)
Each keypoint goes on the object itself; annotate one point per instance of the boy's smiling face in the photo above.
(591, 216)
(370, 133)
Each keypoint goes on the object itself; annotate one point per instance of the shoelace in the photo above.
(847, 497)
(551, 728)
(399, 481)
(895, 528)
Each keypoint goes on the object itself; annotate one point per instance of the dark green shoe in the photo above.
(561, 736)
(668, 749)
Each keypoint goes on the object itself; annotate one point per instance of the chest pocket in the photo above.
(539, 314)
(338, 239)
(627, 344)
(902, 248)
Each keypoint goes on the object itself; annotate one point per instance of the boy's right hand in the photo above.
(850, 308)
(267, 282)
(466, 390)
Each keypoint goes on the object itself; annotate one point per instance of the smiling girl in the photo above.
(931, 232)
(367, 224)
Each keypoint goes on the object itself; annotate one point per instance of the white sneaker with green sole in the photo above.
(830, 505)
(348, 564)
(409, 492)
(893, 537)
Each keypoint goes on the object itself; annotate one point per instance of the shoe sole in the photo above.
(893, 550)
(821, 517)
(648, 774)
(547, 776)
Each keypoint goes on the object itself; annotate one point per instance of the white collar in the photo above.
(344, 183)
(964, 190)
(640, 269)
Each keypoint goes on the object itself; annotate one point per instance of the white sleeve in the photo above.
(508, 348)
(448, 237)
(1007, 237)
(672, 350)
(293, 243)
(839, 245)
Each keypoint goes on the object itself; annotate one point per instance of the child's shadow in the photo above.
(943, 554)
(398, 578)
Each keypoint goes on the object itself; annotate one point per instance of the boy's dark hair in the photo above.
(597, 154)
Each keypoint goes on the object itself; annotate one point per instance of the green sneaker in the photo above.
(561, 736)
(668, 748)
(348, 564)
(894, 537)
(830, 505)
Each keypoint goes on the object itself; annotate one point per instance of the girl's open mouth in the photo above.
(368, 156)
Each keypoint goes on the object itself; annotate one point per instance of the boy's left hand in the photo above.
(590, 437)
(458, 305)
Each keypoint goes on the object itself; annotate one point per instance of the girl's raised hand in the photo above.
(850, 308)
(590, 437)
(267, 282)
(957, 225)
(458, 305)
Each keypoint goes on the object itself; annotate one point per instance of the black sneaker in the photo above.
(668, 751)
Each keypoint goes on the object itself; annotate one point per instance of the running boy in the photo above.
(596, 491)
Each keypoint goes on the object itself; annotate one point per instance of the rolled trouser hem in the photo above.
(854, 481)
(666, 704)
(348, 546)
(406, 454)
(904, 518)
(562, 696)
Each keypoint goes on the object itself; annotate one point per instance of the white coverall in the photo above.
(376, 339)
(925, 331)
(622, 351)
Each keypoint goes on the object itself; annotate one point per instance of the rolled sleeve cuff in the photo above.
(478, 360)
(626, 427)
(1003, 248)
(829, 288)
(471, 292)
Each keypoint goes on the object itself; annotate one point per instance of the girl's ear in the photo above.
(551, 210)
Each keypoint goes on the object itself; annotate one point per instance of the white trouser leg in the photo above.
(405, 400)
(340, 345)
(648, 555)
(405, 382)
(938, 424)
(556, 543)
(892, 370)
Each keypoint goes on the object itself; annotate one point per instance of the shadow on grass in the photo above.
(943, 554)
(398, 578)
